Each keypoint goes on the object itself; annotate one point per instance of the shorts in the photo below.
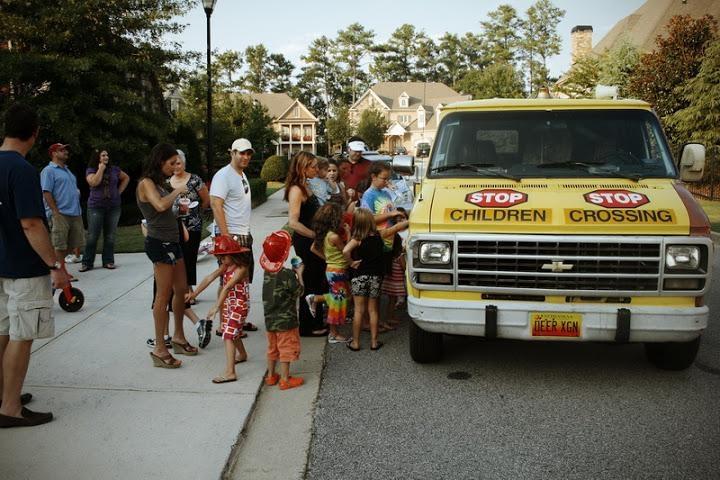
(26, 308)
(284, 346)
(66, 233)
(366, 286)
(163, 252)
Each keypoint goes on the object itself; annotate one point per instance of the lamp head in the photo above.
(209, 5)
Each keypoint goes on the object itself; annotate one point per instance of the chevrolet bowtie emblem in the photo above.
(557, 267)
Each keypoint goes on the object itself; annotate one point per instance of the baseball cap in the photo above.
(276, 249)
(241, 145)
(56, 146)
(357, 146)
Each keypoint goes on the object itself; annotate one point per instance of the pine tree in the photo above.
(501, 33)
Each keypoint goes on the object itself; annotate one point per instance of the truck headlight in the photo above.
(682, 257)
(435, 253)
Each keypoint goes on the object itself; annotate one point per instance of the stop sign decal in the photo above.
(616, 198)
(496, 198)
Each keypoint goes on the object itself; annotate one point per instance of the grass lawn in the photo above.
(713, 212)
(273, 187)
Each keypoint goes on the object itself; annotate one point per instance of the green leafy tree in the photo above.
(501, 33)
(450, 59)
(94, 69)
(474, 51)
(675, 61)
(582, 78)
(353, 44)
(256, 78)
(319, 83)
(372, 127)
(397, 59)
(228, 64)
(339, 128)
(617, 64)
(540, 41)
(499, 80)
(280, 71)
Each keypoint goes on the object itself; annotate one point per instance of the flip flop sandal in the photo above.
(84, 268)
(240, 361)
(250, 327)
(353, 348)
(110, 266)
(221, 379)
(377, 346)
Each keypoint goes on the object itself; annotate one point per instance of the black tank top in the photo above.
(307, 211)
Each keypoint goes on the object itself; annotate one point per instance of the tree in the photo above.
(94, 69)
(372, 127)
(450, 58)
(318, 85)
(279, 73)
(396, 60)
(228, 63)
(352, 45)
(256, 78)
(617, 64)
(540, 40)
(582, 78)
(674, 62)
(499, 80)
(500, 33)
(339, 128)
(699, 121)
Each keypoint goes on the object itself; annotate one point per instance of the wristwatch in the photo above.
(55, 266)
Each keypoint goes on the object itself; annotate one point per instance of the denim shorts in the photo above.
(163, 252)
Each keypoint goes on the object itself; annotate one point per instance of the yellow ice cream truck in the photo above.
(564, 220)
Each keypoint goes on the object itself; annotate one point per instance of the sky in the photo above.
(288, 27)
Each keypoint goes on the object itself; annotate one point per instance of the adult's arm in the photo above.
(294, 203)
(124, 180)
(151, 195)
(381, 217)
(204, 197)
(94, 179)
(50, 200)
(37, 235)
(217, 204)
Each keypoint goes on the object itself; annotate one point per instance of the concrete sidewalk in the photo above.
(115, 415)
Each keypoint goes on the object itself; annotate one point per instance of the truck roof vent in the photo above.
(588, 186)
(498, 185)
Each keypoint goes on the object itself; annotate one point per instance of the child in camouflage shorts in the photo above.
(281, 290)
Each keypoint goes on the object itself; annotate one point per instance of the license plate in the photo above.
(555, 324)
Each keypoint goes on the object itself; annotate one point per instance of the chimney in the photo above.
(581, 38)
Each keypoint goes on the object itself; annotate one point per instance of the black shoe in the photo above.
(28, 419)
(25, 398)
(151, 342)
(204, 331)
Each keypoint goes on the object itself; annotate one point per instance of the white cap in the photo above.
(357, 146)
(241, 145)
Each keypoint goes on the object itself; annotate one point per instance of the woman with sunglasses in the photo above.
(107, 182)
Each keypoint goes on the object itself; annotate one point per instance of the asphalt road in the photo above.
(506, 409)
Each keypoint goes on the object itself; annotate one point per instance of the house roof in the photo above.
(642, 27)
(276, 103)
(428, 94)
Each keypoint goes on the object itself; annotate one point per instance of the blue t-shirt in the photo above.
(62, 184)
(378, 202)
(20, 197)
(320, 188)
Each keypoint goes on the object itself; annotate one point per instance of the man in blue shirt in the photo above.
(28, 264)
(62, 202)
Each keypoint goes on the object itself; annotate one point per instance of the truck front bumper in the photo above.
(599, 321)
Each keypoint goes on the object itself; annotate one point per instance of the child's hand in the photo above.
(189, 296)
(355, 264)
(212, 312)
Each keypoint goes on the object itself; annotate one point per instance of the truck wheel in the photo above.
(425, 347)
(672, 355)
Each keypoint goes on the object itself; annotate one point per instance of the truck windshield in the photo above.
(551, 144)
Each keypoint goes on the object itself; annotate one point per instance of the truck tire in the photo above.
(425, 347)
(672, 355)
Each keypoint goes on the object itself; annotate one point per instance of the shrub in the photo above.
(258, 190)
(275, 169)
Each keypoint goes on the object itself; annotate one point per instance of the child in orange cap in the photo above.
(281, 290)
(234, 299)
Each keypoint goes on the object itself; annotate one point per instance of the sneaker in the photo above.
(272, 379)
(151, 342)
(310, 299)
(204, 331)
(333, 339)
(72, 258)
(291, 382)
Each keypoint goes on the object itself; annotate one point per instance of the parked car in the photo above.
(422, 150)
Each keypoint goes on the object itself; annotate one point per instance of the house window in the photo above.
(421, 118)
(285, 136)
(296, 133)
(404, 100)
(307, 133)
(296, 112)
(403, 119)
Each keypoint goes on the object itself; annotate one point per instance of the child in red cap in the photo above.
(281, 290)
(234, 299)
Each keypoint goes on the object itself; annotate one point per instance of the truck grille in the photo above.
(528, 265)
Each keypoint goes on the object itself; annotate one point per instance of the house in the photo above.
(411, 109)
(295, 126)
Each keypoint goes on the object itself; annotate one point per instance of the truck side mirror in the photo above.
(404, 164)
(692, 162)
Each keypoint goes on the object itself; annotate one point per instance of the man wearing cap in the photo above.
(29, 267)
(359, 166)
(230, 197)
(62, 202)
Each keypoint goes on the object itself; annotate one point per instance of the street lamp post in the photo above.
(209, 6)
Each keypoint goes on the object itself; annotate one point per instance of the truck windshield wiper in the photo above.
(485, 168)
(592, 168)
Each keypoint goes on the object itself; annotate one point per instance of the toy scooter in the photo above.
(71, 299)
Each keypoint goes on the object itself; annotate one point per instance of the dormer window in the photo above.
(404, 100)
(421, 117)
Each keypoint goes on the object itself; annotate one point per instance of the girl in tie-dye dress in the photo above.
(328, 227)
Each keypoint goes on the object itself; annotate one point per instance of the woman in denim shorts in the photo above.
(155, 199)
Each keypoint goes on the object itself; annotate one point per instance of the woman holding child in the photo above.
(302, 205)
